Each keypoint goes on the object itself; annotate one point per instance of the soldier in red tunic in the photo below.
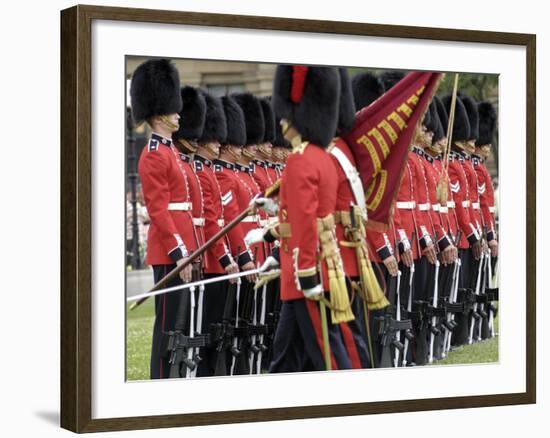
(230, 187)
(218, 259)
(255, 132)
(155, 98)
(261, 166)
(307, 100)
(470, 242)
(487, 126)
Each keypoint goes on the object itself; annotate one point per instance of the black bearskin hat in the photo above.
(441, 113)
(155, 90)
(269, 120)
(253, 117)
(473, 116)
(367, 87)
(461, 126)
(391, 77)
(431, 120)
(309, 98)
(346, 116)
(215, 126)
(234, 117)
(487, 123)
(192, 114)
(427, 120)
(438, 130)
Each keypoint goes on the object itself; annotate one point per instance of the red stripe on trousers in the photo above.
(313, 310)
(351, 347)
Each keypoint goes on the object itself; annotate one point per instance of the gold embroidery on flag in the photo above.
(381, 142)
(379, 182)
(389, 130)
(365, 141)
(396, 118)
(405, 109)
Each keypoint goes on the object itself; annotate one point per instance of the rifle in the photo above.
(181, 347)
(389, 328)
(434, 331)
(475, 315)
(222, 332)
(492, 295)
(408, 333)
(270, 191)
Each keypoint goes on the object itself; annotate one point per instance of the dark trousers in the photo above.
(166, 306)
(467, 281)
(423, 289)
(298, 344)
(213, 307)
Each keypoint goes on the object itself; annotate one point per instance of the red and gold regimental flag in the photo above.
(381, 139)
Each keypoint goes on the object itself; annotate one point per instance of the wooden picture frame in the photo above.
(76, 218)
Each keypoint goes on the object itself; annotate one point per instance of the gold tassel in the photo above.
(339, 299)
(375, 296)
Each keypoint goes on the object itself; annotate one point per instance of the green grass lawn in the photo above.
(139, 332)
(140, 327)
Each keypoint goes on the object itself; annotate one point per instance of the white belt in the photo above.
(405, 205)
(451, 204)
(465, 204)
(263, 222)
(180, 206)
(253, 218)
(424, 207)
(198, 221)
(475, 205)
(436, 207)
(492, 209)
(443, 209)
(221, 222)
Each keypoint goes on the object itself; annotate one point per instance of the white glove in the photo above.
(270, 263)
(254, 236)
(313, 293)
(268, 205)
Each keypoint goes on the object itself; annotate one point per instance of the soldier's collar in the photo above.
(203, 160)
(242, 168)
(260, 163)
(429, 158)
(418, 150)
(225, 164)
(162, 140)
(185, 157)
(270, 164)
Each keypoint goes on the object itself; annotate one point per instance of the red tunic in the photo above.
(308, 191)
(447, 213)
(460, 189)
(217, 257)
(249, 189)
(230, 190)
(258, 170)
(168, 200)
(486, 197)
(471, 174)
(440, 225)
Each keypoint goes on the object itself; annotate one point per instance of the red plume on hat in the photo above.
(308, 97)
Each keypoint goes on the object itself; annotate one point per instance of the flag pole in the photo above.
(443, 182)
